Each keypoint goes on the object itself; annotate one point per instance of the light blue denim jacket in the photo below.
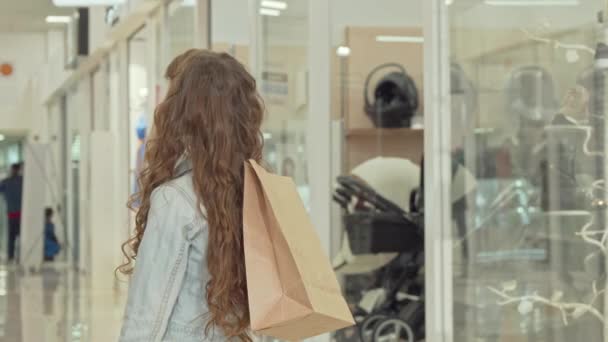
(167, 301)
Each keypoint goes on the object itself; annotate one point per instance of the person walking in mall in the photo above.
(189, 283)
(12, 189)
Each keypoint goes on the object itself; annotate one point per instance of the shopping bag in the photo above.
(293, 291)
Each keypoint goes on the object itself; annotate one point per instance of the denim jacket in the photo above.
(167, 301)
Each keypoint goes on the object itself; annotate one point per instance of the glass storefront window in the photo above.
(159, 63)
(528, 170)
(283, 81)
(181, 20)
(231, 36)
(100, 97)
(377, 90)
(138, 104)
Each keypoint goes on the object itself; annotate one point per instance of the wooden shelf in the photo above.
(365, 143)
(388, 132)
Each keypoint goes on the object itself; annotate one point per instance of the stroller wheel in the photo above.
(393, 330)
(367, 327)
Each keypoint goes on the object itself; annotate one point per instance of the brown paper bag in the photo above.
(293, 291)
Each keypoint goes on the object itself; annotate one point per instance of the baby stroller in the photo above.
(392, 309)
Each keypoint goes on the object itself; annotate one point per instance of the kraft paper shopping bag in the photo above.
(293, 291)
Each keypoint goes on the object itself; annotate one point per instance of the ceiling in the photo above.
(28, 15)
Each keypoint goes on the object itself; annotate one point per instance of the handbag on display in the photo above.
(293, 291)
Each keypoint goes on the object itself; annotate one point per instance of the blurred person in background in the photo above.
(51, 243)
(12, 189)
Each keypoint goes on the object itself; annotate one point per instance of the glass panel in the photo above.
(159, 67)
(75, 106)
(231, 36)
(376, 84)
(283, 81)
(138, 97)
(66, 165)
(181, 26)
(528, 127)
(100, 97)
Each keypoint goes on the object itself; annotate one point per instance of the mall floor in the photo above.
(56, 304)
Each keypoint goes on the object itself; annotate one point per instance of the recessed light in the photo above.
(343, 51)
(86, 3)
(400, 39)
(58, 19)
(532, 2)
(270, 12)
(280, 5)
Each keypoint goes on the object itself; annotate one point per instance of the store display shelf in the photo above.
(388, 132)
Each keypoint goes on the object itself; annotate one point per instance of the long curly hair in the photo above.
(211, 115)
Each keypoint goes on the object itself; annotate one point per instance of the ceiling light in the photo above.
(86, 3)
(267, 136)
(532, 2)
(280, 5)
(269, 11)
(400, 39)
(343, 51)
(2, 137)
(58, 19)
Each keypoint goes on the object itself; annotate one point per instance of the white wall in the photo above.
(26, 52)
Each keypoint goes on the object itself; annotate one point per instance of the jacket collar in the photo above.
(183, 166)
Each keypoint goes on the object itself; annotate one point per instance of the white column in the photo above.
(318, 132)
(319, 119)
(71, 104)
(106, 242)
(437, 175)
(97, 27)
(32, 216)
(120, 148)
(84, 127)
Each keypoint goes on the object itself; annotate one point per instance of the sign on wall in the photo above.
(275, 86)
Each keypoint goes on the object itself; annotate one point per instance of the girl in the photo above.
(188, 282)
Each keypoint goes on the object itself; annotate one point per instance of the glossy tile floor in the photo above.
(57, 304)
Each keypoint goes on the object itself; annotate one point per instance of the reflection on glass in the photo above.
(377, 92)
(138, 104)
(283, 83)
(527, 99)
(180, 26)
(75, 174)
(231, 36)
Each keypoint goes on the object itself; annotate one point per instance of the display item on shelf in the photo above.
(393, 305)
(392, 178)
(531, 94)
(395, 97)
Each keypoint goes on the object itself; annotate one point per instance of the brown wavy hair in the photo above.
(212, 115)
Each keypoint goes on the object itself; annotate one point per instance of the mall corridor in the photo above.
(450, 156)
(57, 304)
